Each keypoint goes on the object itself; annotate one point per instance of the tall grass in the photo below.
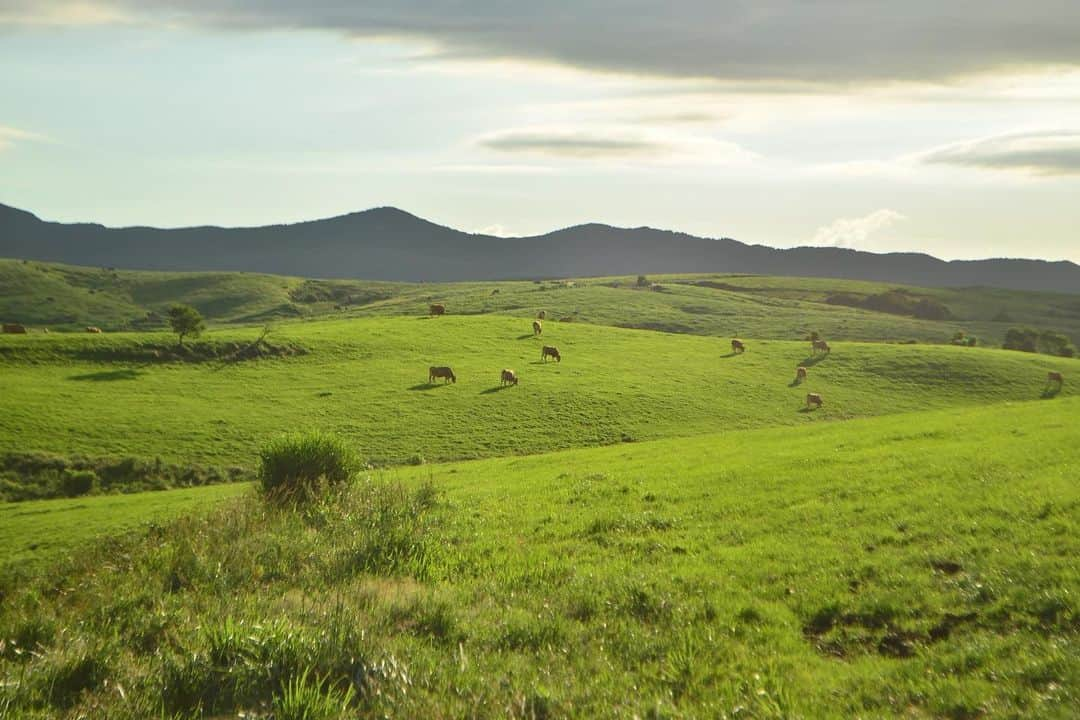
(295, 468)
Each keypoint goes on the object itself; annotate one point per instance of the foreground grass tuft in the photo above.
(295, 468)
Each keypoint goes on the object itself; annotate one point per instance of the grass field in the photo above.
(919, 565)
(366, 379)
(653, 528)
(69, 297)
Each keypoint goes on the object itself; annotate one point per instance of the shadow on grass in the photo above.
(526, 336)
(795, 383)
(108, 375)
(427, 386)
(807, 409)
(1051, 391)
(730, 354)
(814, 360)
(495, 389)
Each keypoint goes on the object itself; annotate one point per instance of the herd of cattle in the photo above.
(509, 376)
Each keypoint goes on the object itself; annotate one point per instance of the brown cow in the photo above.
(92, 329)
(509, 377)
(549, 351)
(1055, 378)
(542, 315)
(820, 345)
(441, 372)
(813, 399)
(800, 374)
(437, 310)
(14, 329)
(538, 327)
(737, 346)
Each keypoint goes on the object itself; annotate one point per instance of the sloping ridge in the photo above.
(390, 244)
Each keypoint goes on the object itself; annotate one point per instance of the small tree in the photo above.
(642, 281)
(1023, 339)
(186, 320)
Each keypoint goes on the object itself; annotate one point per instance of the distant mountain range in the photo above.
(390, 244)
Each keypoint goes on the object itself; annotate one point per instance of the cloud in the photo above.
(571, 143)
(1048, 152)
(19, 12)
(854, 232)
(832, 42)
(9, 136)
(629, 145)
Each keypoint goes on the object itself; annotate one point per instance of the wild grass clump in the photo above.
(296, 468)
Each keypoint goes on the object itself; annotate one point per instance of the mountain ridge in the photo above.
(387, 243)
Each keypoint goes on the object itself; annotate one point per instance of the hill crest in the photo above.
(387, 243)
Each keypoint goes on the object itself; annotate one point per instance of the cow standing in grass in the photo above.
(813, 399)
(820, 345)
(737, 346)
(800, 374)
(436, 309)
(542, 315)
(441, 372)
(552, 352)
(508, 377)
(94, 330)
(538, 327)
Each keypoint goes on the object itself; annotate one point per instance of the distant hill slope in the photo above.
(67, 297)
(390, 244)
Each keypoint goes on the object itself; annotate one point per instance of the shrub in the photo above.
(295, 467)
(1023, 339)
(74, 483)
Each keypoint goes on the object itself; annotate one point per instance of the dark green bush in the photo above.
(74, 483)
(295, 467)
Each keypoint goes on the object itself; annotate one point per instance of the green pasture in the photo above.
(366, 379)
(919, 565)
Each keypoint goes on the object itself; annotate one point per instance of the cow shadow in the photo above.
(813, 360)
(1051, 391)
(493, 390)
(108, 375)
(526, 336)
(795, 383)
(806, 409)
(729, 355)
(427, 386)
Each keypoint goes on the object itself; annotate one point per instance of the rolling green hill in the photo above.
(69, 298)
(366, 379)
(920, 565)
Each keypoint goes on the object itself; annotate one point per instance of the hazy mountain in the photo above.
(390, 244)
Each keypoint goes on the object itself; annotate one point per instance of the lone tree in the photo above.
(186, 320)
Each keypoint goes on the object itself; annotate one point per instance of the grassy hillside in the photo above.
(911, 566)
(68, 297)
(49, 528)
(366, 379)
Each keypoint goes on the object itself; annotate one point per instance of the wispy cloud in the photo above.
(1047, 152)
(617, 144)
(9, 136)
(854, 232)
(572, 143)
(21, 12)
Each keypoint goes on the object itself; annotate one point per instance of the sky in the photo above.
(949, 127)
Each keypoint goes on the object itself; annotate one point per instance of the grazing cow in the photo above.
(509, 377)
(813, 399)
(737, 346)
(437, 310)
(441, 372)
(538, 327)
(820, 345)
(14, 329)
(495, 291)
(800, 374)
(1055, 378)
(549, 351)
(542, 315)
(92, 329)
